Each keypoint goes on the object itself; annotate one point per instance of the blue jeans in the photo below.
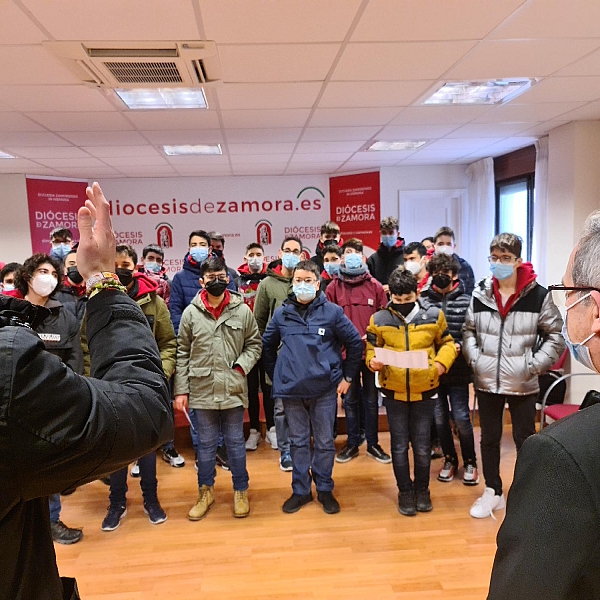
(352, 406)
(317, 414)
(410, 422)
(209, 424)
(458, 395)
(281, 427)
(194, 434)
(55, 506)
(148, 482)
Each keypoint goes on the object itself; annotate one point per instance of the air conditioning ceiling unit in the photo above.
(141, 64)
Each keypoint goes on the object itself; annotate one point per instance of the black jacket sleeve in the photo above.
(65, 429)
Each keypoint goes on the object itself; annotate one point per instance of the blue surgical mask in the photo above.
(332, 268)
(199, 254)
(152, 266)
(353, 261)
(60, 251)
(579, 351)
(389, 240)
(290, 260)
(501, 271)
(304, 292)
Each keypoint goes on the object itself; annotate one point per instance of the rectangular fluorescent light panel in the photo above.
(192, 150)
(6, 155)
(382, 145)
(496, 91)
(163, 98)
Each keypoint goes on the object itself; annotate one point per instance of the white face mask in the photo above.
(43, 284)
(413, 267)
(255, 263)
(444, 250)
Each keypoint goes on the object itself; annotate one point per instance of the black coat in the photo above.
(385, 260)
(549, 542)
(72, 301)
(454, 306)
(59, 429)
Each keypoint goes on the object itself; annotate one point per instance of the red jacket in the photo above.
(249, 283)
(145, 285)
(164, 287)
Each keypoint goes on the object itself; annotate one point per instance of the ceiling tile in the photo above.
(211, 136)
(460, 145)
(32, 65)
(48, 152)
(241, 119)
(275, 148)
(497, 130)
(340, 117)
(116, 20)
(327, 147)
(206, 161)
(393, 20)
(342, 94)
(121, 151)
(588, 65)
(136, 161)
(316, 167)
(379, 157)
(251, 159)
(507, 146)
(256, 21)
(58, 163)
(16, 28)
(414, 132)
(588, 112)
(8, 138)
(81, 121)
(439, 115)
(276, 62)
(90, 173)
(17, 165)
(276, 169)
(523, 113)
(267, 135)
(152, 120)
(166, 171)
(321, 157)
(541, 129)
(563, 89)
(391, 62)
(520, 58)
(13, 121)
(104, 138)
(339, 134)
(189, 171)
(552, 19)
(268, 95)
(45, 98)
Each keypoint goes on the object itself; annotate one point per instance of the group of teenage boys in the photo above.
(306, 333)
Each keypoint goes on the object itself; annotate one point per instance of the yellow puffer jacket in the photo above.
(427, 330)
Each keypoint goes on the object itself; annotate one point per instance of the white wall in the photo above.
(15, 238)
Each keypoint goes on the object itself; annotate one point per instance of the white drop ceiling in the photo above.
(307, 84)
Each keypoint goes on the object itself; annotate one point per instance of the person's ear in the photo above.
(280, 253)
(595, 312)
(519, 262)
(245, 260)
(318, 286)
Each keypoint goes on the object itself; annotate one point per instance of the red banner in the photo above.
(354, 206)
(53, 204)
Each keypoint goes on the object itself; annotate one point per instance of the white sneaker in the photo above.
(254, 439)
(487, 504)
(271, 437)
(135, 470)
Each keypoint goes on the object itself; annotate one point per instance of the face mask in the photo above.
(413, 267)
(304, 292)
(403, 309)
(329, 243)
(255, 263)
(152, 266)
(290, 260)
(441, 281)
(216, 287)
(125, 276)
(8, 287)
(199, 254)
(74, 275)
(353, 261)
(332, 268)
(218, 253)
(43, 284)
(579, 351)
(389, 240)
(501, 271)
(448, 250)
(60, 250)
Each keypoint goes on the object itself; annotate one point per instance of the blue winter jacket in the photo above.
(185, 286)
(310, 363)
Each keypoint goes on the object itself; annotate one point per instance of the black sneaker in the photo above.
(330, 504)
(62, 534)
(424, 501)
(347, 454)
(155, 512)
(173, 458)
(113, 517)
(378, 454)
(407, 505)
(222, 458)
(295, 502)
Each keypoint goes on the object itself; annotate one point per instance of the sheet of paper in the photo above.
(414, 359)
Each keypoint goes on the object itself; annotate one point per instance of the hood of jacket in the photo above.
(189, 264)
(244, 271)
(274, 270)
(487, 289)
(145, 285)
(357, 280)
(234, 300)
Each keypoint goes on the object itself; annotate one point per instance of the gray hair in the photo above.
(585, 270)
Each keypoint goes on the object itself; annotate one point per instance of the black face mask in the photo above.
(217, 253)
(441, 281)
(74, 275)
(125, 276)
(403, 309)
(216, 287)
(329, 243)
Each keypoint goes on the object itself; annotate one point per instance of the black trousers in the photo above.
(256, 377)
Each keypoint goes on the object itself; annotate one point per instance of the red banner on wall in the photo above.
(52, 204)
(354, 206)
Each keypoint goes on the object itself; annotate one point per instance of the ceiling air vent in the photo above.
(141, 64)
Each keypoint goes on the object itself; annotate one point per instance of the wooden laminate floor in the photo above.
(367, 551)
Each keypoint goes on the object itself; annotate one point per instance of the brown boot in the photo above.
(241, 506)
(205, 501)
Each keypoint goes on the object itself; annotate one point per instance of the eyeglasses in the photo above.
(559, 287)
(294, 252)
(221, 279)
(505, 260)
(309, 280)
